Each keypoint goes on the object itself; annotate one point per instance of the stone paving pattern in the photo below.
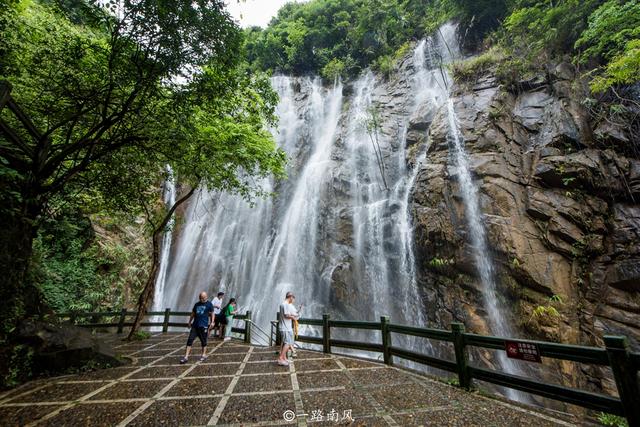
(242, 385)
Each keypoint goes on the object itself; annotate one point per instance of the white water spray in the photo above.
(169, 199)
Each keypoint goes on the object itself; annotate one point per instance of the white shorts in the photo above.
(287, 337)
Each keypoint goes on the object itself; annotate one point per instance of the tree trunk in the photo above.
(19, 297)
(150, 286)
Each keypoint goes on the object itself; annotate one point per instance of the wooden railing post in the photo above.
(72, 317)
(625, 374)
(326, 334)
(386, 340)
(165, 321)
(462, 355)
(247, 327)
(278, 338)
(271, 335)
(123, 314)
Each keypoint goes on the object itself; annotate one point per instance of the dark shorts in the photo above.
(217, 319)
(201, 333)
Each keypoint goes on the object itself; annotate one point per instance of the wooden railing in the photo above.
(119, 320)
(616, 355)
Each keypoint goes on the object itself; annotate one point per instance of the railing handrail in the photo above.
(616, 355)
(165, 323)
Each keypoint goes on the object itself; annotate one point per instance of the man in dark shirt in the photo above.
(199, 322)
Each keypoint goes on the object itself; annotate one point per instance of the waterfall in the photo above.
(257, 252)
(295, 245)
(169, 199)
(338, 232)
(332, 211)
(498, 324)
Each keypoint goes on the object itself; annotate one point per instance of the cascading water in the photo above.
(255, 253)
(498, 324)
(339, 231)
(169, 198)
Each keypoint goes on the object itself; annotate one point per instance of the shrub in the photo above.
(468, 71)
(333, 70)
(623, 69)
(612, 420)
(384, 64)
(141, 335)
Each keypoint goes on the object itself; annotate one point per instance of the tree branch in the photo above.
(149, 288)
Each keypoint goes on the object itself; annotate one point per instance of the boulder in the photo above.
(529, 109)
(422, 117)
(563, 71)
(58, 347)
(588, 213)
(416, 137)
(625, 275)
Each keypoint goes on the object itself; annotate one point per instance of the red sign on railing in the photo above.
(523, 351)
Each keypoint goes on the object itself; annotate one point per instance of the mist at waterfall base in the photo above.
(338, 233)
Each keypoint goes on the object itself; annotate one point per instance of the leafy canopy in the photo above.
(153, 83)
(341, 37)
(116, 91)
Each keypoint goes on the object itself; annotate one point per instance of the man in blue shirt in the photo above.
(199, 322)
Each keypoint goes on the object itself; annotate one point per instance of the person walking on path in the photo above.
(199, 323)
(217, 308)
(288, 314)
(228, 312)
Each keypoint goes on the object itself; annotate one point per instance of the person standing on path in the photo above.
(199, 322)
(217, 308)
(288, 313)
(228, 312)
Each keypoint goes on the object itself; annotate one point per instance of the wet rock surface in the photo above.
(561, 212)
(346, 391)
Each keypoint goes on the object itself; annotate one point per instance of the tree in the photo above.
(344, 36)
(479, 17)
(105, 104)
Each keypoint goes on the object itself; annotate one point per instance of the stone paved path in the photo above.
(241, 385)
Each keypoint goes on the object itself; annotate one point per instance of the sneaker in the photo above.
(227, 338)
(281, 363)
(203, 358)
(183, 360)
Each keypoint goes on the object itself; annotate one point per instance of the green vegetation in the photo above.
(613, 38)
(342, 37)
(612, 420)
(471, 69)
(115, 92)
(548, 310)
(602, 37)
(436, 262)
(76, 270)
(141, 335)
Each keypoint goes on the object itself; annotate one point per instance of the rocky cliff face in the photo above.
(560, 203)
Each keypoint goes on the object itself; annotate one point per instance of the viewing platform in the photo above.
(240, 384)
